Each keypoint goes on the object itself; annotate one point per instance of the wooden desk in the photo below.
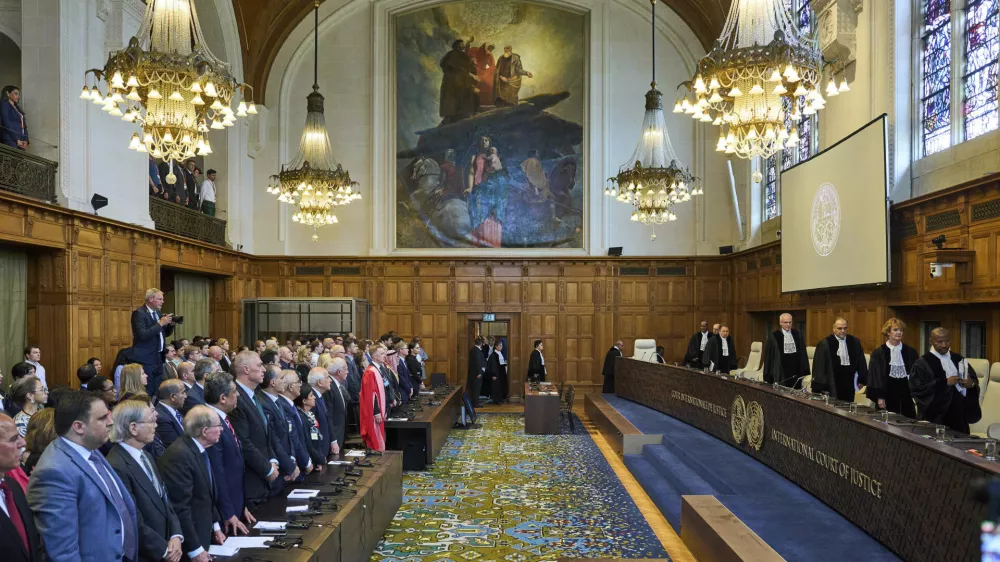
(421, 437)
(911, 493)
(349, 534)
(541, 411)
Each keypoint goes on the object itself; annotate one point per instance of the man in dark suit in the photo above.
(336, 402)
(291, 387)
(281, 438)
(169, 421)
(250, 423)
(477, 368)
(160, 534)
(191, 482)
(227, 455)
(82, 509)
(319, 380)
(19, 539)
(536, 363)
(609, 367)
(195, 391)
(150, 331)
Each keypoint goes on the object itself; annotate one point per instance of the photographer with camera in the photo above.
(150, 331)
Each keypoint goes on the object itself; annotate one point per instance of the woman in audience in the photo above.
(888, 371)
(302, 355)
(133, 382)
(415, 366)
(104, 388)
(258, 346)
(15, 129)
(21, 370)
(305, 403)
(41, 432)
(366, 353)
(32, 395)
(324, 361)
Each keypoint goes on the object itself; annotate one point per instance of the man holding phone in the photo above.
(150, 331)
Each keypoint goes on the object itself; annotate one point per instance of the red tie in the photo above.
(15, 515)
(233, 431)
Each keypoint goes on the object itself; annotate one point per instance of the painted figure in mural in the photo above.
(533, 170)
(487, 191)
(486, 67)
(459, 95)
(508, 78)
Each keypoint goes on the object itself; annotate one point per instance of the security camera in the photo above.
(939, 241)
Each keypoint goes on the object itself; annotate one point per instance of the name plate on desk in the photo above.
(884, 478)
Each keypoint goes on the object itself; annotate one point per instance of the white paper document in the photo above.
(219, 550)
(295, 508)
(354, 453)
(340, 462)
(247, 542)
(270, 525)
(398, 419)
(302, 494)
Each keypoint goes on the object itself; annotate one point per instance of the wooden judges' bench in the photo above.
(911, 493)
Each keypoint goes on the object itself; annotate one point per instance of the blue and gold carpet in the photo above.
(495, 493)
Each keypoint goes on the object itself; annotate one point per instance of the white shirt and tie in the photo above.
(253, 400)
(143, 461)
(156, 316)
(39, 371)
(85, 455)
(340, 396)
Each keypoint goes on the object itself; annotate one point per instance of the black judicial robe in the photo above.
(608, 372)
(830, 376)
(713, 355)
(879, 386)
(781, 368)
(693, 354)
(536, 369)
(937, 402)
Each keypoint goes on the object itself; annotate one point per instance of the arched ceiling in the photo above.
(265, 25)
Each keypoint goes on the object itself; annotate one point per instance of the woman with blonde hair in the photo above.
(133, 382)
(324, 361)
(302, 355)
(889, 371)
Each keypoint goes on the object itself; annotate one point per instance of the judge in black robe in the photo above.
(831, 372)
(496, 368)
(785, 366)
(474, 378)
(486, 388)
(696, 346)
(720, 352)
(608, 372)
(939, 397)
(536, 363)
(888, 392)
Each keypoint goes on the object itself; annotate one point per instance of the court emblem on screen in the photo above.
(747, 421)
(824, 221)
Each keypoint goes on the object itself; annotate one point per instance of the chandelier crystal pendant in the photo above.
(760, 77)
(169, 83)
(651, 180)
(314, 182)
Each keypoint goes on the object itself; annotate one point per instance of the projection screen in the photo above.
(834, 215)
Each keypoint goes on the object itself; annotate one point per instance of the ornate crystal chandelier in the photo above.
(314, 182)
(170, 83)
(651, 180)
(760, 77)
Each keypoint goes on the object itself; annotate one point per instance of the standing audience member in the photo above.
(41, 432)
(250, 424)
(207, 196)
(160, 534)
(195, 394)
(315, 441)
(32, 395)
(96, 363)
(337, 400)
(82, 509)
(86, 372)
(291, 387)
(20, 541)
(150, 331)
(415, 367)
(373, 406)
(169, 421)
(226, 455)
(155, 183)
(281, 438)
(476, 372)
(33, 356)
(13, 127)
(191, 483)
(889, 371)
(319, 382)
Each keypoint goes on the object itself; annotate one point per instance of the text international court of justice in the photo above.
(499, 280)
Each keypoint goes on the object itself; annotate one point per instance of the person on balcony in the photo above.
(14, 131)
(207, 194)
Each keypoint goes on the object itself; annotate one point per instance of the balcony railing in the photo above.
(175, 219)
(27, 174)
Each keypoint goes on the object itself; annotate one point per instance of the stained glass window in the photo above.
(980, 78)
(935, 91)
(770, 188)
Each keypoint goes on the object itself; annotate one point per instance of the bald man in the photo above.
(839, 364)
(945, 386)
(696, 346)
(785, 359)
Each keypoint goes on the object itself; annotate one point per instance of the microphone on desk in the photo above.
(794, 382)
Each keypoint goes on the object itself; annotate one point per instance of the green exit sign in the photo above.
(489, 317)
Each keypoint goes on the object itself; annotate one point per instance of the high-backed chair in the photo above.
(982, 369)
(753, 368)
(808, 380)
(990, 402)
(645, 350)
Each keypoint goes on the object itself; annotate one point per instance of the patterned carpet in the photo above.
(495, 493)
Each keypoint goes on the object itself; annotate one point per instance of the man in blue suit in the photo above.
(150, 331)
(252, 431)
(291, 385)
(82, 509)
(169, 422)
(319, 380)
(279, 427)
(195, 391)
(227, 455)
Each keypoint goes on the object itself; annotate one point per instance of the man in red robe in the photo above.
(486, 67)
(372, 403)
